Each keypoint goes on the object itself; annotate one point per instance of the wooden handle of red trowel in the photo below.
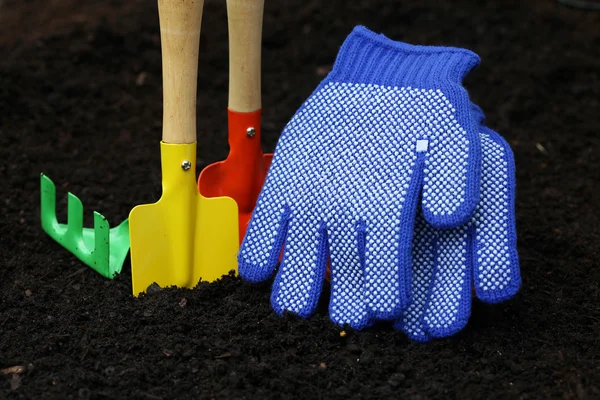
(245, 168)
(245, 19)
(180, 23)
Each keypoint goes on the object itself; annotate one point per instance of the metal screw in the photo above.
(186, 165)
(250, 132)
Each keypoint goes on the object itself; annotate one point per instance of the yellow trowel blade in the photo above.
(184, 237)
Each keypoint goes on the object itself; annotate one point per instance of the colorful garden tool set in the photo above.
(385, 181)
(195, 229)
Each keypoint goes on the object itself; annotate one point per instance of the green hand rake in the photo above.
(101, 248)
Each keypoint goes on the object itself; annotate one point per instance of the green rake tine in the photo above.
(101, 248)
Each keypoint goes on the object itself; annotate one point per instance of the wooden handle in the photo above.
(244, 18)
(180, 23)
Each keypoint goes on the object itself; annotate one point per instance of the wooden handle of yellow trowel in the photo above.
(245, 20)
(180, 23)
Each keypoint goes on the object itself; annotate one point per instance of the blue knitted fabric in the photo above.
(390, 121)
(482, 253)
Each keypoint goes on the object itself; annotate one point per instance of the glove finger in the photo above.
(260, 249)
(496, 275)
(299, 281)
(387, 265)
(389, 220)
(423, 262)
(347, 303)
(449, 305)
(452, 168)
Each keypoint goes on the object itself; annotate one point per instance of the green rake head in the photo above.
(101, 248)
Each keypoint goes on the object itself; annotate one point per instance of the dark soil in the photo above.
(81, 100)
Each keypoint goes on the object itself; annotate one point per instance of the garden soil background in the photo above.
(81, 100)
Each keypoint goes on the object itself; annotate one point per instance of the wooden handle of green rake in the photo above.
(180, 23)
(245, 19)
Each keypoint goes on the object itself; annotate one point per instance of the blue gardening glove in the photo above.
(447, 264)
(390, 121)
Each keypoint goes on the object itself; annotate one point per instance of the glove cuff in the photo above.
(370, 58)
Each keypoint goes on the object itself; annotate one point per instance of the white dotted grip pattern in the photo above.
(447, 263)
(344, 183)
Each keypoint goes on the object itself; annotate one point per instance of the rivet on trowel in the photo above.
(186, 165)
(250, 132)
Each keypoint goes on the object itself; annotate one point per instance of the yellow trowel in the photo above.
(184, 237)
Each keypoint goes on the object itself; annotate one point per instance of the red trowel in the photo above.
(241, 176)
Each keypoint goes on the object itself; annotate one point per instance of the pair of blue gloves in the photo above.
(387, 178)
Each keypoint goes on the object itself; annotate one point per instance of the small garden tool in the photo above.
(102, 248)
(184, 237)
(242, 174)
